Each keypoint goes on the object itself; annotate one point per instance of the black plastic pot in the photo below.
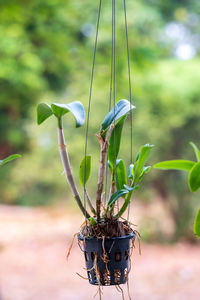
(107, 262)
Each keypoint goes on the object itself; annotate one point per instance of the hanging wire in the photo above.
(109, 108)
(130, 94)
(112, 91)
(90, 96)
(114, 73)
(129, 79)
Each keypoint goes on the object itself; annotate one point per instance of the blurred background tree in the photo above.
(46, 55)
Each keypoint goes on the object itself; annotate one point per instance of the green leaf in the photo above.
(194, 177)
(139, 164)
(130, 171)
(43, 112)
(109, 165)
(130, 189)
(9, 158)
(117, 162)
(116, 196)
(75, 107)
(122, 108)
(197, 224)
(93, 222)
(114, 141)
(145, 171)
(121, 175)
(185, 165)
(85, 165)
(196, 150)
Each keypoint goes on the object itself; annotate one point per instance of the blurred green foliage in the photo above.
(46, 55)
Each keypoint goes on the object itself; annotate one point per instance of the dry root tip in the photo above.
(70, 247)
(81, 276)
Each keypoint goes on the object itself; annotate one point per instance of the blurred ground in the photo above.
(33, 246)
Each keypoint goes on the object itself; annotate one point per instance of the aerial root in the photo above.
(130, 255)
(120, 290)
(81, 276)
(138, 236)
(98, 277)
(105, 256)
(128, 290)
(71, 245)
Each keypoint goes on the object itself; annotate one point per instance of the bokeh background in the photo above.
(46, 52)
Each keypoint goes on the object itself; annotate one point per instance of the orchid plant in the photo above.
(123, 183)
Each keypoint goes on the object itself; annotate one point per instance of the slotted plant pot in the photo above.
(107, 262)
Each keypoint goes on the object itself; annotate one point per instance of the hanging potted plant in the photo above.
(105, 235)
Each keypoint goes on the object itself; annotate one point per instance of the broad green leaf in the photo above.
(130, 171)
(197, 224)
(8, 159)
(121, 175)
(116, 196)
(194, 177)
(85, 170)
(122, 108)
(185, 165)
(114, 141)
(139, 164)
(43, 112)
(196, 150)
(75, 107)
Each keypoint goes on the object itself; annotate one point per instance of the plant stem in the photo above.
(90, 203)
(102, 164)
(68, 170)
(112, 188)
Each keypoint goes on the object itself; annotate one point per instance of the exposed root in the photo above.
(139, 243)
(128, 290)
(105, 257)
(97, 293)
(89, 270)
(108, 228)
(130, 255)
(120, 290)
(81, 276)
(129, 222)
(98, 277)
(106, 277)
(71, 245)
(80, 245)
